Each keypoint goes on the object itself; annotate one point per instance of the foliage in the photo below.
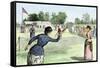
(86, 18)
(41, 16)
(33, 17)
(77, 21)
(58, 19)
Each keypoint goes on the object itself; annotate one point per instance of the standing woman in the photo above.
(32, 31)
(88, 52)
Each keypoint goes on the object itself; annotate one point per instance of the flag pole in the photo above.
(22, 15)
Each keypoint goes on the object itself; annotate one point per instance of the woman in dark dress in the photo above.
(32, 31)
(88, 52)
(36, 52)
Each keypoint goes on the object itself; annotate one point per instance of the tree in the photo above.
(33, 17)
(54, 18)
(25, 19)
(86, 18)
(58, 19)
(93, 21)
(82, 22)
(46, 16)
(61, 17)
(41, 16)
(77, 21)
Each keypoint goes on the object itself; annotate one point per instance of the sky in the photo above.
(71, 11)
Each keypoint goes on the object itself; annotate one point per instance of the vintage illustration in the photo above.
(48, 34)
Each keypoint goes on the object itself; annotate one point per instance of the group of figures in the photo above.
(80, 30)
(36, 52)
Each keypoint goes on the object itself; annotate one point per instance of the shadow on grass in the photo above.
(80, 59)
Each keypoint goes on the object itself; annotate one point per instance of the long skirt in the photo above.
(88, 55)
(32, 59)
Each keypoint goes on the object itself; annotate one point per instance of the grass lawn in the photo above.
(70, 48)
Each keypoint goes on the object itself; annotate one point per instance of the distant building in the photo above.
(38, 24)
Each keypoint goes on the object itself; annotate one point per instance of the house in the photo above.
(38, 24)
